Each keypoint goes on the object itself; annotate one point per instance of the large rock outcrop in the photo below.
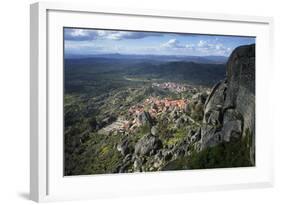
(230, 108)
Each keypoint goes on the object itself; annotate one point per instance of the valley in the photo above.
(124, 114)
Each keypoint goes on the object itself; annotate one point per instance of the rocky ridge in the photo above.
(230, 108)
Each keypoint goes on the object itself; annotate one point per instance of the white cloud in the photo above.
(213, 48)
(190, 46)
(84, 39)
(172, 43)
(202, 43)
(117, 35)
(79, 35)
(79, 32)
(202, 47)
(88, 35)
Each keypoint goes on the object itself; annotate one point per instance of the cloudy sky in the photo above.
(92, 41)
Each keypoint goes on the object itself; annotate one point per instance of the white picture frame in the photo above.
(47, 182)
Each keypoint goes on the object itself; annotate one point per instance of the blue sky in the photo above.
(93, 41)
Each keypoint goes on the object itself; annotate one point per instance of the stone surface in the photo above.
(154, 131)
(230, 107)
(145, 118)
(124, 147)
(148, 145)
(231, 129)
(215, 101)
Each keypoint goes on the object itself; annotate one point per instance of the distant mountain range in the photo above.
(196, 73)
(200, 73)
(159, 58)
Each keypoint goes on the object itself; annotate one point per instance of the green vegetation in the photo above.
(227, 154)
(96, 156)
(235, 153)
(176, 137)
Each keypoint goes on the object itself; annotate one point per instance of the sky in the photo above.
(93, 41)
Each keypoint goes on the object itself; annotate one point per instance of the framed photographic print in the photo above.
(127, 102)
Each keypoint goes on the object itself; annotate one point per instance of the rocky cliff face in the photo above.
(230, 108)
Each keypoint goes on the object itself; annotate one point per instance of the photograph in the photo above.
(151, 101)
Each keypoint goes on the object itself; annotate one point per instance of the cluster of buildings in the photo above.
(174, 87)
(155, 106)
(152, 106)
(160, 105)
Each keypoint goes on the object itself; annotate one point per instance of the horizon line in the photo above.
(135, 54)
